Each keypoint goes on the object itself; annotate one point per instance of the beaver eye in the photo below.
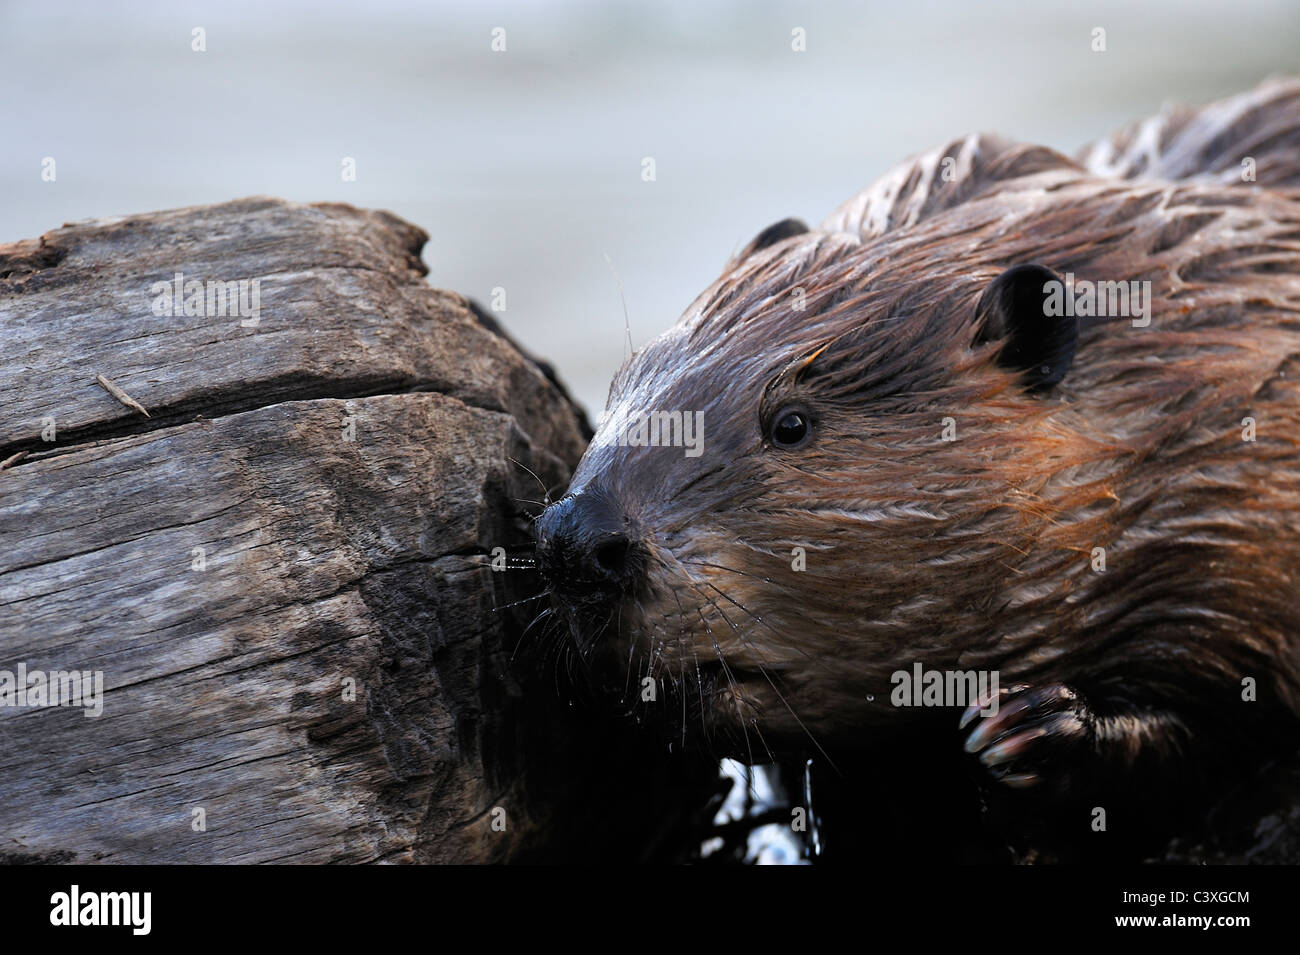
(791, 428)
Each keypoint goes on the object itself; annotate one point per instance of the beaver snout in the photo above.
(585, 550)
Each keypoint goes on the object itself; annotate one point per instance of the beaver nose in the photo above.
(584, 549)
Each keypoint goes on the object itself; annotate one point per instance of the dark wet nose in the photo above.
(584, 548)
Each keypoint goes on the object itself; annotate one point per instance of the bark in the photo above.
(281, 564)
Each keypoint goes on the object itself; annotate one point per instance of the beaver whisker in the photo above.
(584, 645)
(755, 617)
(553, 644)
(647, 659)
(631, 655)
(705, 563)
(546, 612)
(652, 660)
(766, 675)
(733, 686)
(699, 677)
(678, 684)
(546, 494)
(759, 620)
(562, 651)
(746, 610)
(516, 603)
(737, 630)
(551, 637)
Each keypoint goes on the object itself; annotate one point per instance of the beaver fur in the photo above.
(961, 464)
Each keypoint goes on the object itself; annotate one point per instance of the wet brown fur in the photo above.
(977, 553)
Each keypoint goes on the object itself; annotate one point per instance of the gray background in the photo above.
(524, 166)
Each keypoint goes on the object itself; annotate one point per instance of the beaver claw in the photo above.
(1025, 741)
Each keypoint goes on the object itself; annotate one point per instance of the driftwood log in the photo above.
(270, 531)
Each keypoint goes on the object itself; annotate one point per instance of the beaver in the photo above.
(1003, 412)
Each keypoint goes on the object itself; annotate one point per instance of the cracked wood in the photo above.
(308, 508)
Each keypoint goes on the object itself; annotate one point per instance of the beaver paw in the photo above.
(1036, 734)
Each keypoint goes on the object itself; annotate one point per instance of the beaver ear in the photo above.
(1014, 308)
(774, 234)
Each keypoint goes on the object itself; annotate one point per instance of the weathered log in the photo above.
(281, 565)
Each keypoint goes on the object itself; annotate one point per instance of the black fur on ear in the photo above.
(774, 234)
(1013, 309)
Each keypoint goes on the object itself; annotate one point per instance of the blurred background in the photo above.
(525, 165)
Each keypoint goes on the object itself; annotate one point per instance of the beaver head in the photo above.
(876, 443)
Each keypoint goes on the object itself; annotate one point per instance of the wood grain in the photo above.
(309, 507)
